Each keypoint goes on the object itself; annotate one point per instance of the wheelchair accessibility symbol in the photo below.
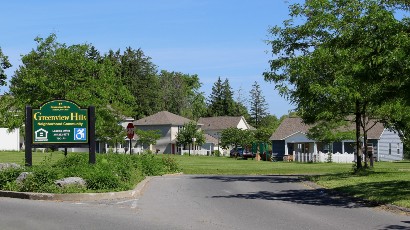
(80, 134)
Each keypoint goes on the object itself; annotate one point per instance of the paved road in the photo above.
(205, 202)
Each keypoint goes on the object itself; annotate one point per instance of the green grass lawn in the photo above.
(388, 182)
(231, 166)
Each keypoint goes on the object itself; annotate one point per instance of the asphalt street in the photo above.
(206, 202)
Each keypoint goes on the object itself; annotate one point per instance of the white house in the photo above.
(10, 141)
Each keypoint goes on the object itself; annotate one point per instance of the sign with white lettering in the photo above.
(60, 121)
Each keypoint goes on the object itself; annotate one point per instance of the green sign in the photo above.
(60, 121)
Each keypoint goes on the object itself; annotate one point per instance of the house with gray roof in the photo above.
(213, 126)
(168, 124)
(290, 139)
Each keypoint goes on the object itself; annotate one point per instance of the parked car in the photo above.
(243, 153)
(236, 152)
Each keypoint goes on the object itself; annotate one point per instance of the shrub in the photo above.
(9, 175)
(151, 165)
(170, 164)
(112, 172)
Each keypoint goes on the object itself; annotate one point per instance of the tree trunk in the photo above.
(364, 122)
(358, 142)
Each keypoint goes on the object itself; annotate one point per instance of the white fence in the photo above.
(202, 152)
(324, 157)
(122, 150)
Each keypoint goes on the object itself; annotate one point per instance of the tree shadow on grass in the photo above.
(387, 192)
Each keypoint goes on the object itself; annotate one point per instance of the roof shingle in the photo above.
(292, 125)
(220, 123)
(163, 118)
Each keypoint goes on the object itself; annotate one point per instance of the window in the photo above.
(398, 148)
(389, 148)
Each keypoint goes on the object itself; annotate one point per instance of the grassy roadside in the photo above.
(387, 183)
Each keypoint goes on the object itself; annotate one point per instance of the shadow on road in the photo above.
(308, 197)
(397, 227)
(268, 179)
(320, 197)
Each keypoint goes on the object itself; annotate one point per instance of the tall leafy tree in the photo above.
(258, 106)
(4, 64)
(56, 71)
(139, 75)
(341, 58)
(270, 122)
(180, 94)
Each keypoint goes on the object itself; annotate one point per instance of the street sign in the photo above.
(60, 122)
(130, 130)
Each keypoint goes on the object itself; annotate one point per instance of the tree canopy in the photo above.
(4, 64)
(57, 71)
(338, 58)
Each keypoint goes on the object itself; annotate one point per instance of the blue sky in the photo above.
(210, 38)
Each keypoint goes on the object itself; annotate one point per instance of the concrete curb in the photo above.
(78, 196)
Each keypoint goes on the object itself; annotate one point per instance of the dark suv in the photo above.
(240, 152)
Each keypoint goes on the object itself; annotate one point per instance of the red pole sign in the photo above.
(130, 130)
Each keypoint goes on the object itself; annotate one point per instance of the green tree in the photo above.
(148, 137)
(57, 71)
(221, 101)
(258, 106)
(215, 101)
(270, 122)
(227, 99)
(188, 132)
(340, 58)
(4, 64)
(234, 137)
(139, 75)
(180, 94)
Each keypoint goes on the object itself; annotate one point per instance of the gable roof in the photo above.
(210, 139)
(221, 122)
(292, 125)
(163, 118)
(289, 126)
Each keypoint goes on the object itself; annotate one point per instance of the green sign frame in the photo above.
(59, 122)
